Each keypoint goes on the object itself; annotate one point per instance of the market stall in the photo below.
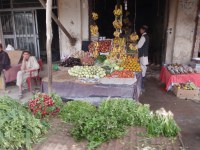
(110, 67)
(70, 87)
(172, 74)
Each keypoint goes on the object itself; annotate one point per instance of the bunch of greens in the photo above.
(75, 111)
(18, 128)
(126, 111)
(101, 58)
(111, 118)
(162, 123)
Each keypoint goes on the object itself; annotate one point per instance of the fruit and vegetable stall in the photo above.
(110, 67)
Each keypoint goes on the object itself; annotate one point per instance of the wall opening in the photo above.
(41, 17)
(151, 13)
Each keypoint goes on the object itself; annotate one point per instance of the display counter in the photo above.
(71, 88)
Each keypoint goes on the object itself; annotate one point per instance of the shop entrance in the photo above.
(41, 17)
(150, 13)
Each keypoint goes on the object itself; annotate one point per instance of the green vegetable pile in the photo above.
(111, 118)
(18, 127)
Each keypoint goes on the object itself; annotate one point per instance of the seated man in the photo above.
(4, 59)
(29, 64)
(4, 65)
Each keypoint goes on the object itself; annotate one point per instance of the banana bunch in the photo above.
(134, 37)
(117, 24)
(116, 34)
(95, 16)
(119, 41)
(133, 47)
(117, 12)
(94, 30)
(95, 52)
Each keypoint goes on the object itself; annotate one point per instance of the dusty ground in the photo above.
(58, 138)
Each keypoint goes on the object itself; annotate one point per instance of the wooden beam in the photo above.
(48, 43)
(71, 39)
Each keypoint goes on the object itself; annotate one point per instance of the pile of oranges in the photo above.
(131, 64)
(122, 74)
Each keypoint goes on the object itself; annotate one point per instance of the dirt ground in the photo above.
(58, 138)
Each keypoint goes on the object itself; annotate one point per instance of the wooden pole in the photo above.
(72, 39)
(48, 43)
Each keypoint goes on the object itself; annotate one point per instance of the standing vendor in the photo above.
(143, 48)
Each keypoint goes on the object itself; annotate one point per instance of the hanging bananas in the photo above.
(134, 37)
(94, 30)
(95, 16)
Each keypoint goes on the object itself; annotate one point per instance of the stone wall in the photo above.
(185, 31)
(172, 16)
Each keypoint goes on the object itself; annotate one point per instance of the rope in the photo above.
(135, 14)
(94, 6)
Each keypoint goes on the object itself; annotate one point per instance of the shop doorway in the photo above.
(41, 17)
(150, 13)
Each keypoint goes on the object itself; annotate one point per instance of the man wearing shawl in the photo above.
(4, 59)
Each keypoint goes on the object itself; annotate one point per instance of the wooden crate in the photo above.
(186, 94)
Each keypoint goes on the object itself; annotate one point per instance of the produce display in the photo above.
(122, 74)
(87, 72)
(131, 64)
(70, 62)
(118, 51)
(45, 105)
(100, 46)
(87, 60)
(19, 128)
(111, 118)
(186, 86)
(180, 69)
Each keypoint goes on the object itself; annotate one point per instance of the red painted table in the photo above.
(168, 78)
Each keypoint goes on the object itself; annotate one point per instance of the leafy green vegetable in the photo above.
(18, 128)
(162, 123)
(111, 118)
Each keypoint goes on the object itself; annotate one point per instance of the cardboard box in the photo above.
(186, 94)
(15, 56)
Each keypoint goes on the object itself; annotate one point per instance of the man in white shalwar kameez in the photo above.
(143, 48)
(29, 64)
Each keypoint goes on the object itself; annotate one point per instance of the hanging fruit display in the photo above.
(133, 47)
(94, 30)
(95, 16)
(118, 11)
(134, 37)
(117, 23)
(93, 27)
